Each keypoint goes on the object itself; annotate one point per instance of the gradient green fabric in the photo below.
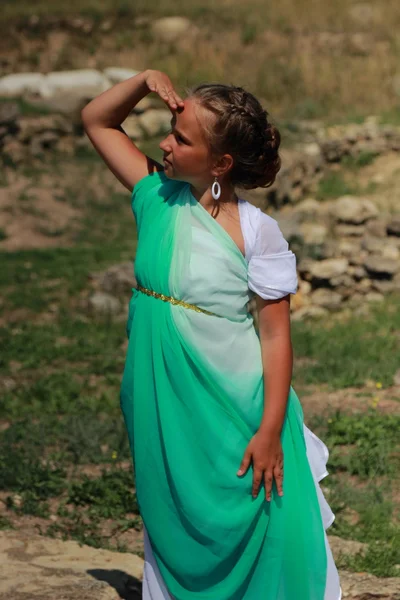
(192, 398)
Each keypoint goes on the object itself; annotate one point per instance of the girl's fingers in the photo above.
(167, 93)
(267, 484)
(278, 474)
(173, 98)
(245, 462)
(178, 100)
(257, 476)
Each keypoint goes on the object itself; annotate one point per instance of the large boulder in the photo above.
(18, 84)
(117, 74)
(84, 83)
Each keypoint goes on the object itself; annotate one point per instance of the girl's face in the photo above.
(185, 148)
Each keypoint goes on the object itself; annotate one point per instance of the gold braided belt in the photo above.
(175, 301)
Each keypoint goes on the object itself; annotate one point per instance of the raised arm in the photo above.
(102, 118)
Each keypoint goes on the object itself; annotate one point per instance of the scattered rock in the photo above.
(172, 29)
(344, 280)
(363, 586)
(376, 227)
(117, 280)
(331, 267)
(326, 298)
(384, 286)
(307, 208)
(313, 233)
(31, 126)
(349, 230)
(393, 227)
(348, 248)
(358, 272)
(378, 265)
(132, 128)
(353, 210)
(372, 244)
(374, 297)
(102, 303)
(155, 122)
(363, 286)
(389, 251)
(309, 312)
(9, 112)
(363, 13)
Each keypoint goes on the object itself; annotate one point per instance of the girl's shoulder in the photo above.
(258, 227)
(271, 264)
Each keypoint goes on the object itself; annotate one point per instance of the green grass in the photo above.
(333, 185)
(349, 353)
(362, 159)
(370, 441)
(26, 108)
(110, 496)
(5, 523)
(365, 447)
(376, 525)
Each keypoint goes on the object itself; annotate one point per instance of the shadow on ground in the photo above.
(128, 587)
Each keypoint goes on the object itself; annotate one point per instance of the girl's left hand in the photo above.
(265, 450)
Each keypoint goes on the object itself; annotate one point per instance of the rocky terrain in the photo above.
(52, 568)
(347, 240)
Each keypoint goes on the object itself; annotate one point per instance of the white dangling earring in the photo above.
(216, 194)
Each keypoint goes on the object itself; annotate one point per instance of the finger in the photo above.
(245, 463)
(175, 99)
(163, 93)
(257, 477)
(278, 474)
(171, 98)
(179, 100)
(268, 484)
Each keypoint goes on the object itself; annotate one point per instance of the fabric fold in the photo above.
(317, 454)
(273, 276)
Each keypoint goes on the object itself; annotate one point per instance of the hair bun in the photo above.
(239, 125)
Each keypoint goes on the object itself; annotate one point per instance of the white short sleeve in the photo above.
(272, 270)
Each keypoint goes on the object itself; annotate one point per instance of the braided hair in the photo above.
(235, 123)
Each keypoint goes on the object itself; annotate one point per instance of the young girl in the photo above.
(226, 471)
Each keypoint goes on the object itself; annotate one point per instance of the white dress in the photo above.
(267, 252)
